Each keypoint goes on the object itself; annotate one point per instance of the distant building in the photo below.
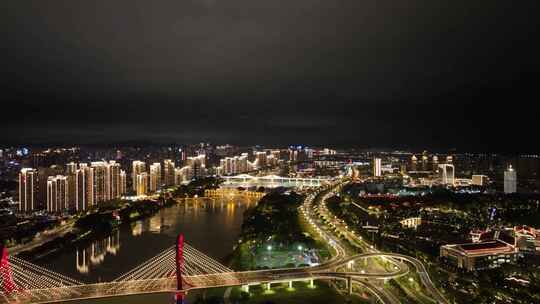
(168, 172)
(276, 154)
(412, 222)
(28, 186)
(71, 168)
(447, 174)
(138, 167)
(142, 184)
(234, 165)
(155, 177)
(481, 255)
(106, 181)
(377, 167)
(260, 159)
(527, 239)
(510, 180)
(57, 193)
(84, 183)
(479, 180)
(197, 165)
(123, 182)
(182, 174)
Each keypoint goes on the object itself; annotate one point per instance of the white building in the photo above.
(84, 187)
(155, 177)
(142, 184)
(377, 167)
(168, 174)
(27, 189)
(197, 165)
(260, 159)
(57, 193)
(479, 180)
(447, 174)
(138, 167)
(510, 180)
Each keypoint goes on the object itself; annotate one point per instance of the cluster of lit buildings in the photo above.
(82, 186)
(241, 164)
(442, 174)
(149, 181)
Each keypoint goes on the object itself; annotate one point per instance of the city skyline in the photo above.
(249, 151)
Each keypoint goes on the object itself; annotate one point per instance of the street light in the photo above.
(300, 248)
(269, 247)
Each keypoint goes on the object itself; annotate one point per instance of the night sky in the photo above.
(414, 74)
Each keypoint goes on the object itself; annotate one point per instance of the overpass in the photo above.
(272, 181)
(24, 282)
(182, 268)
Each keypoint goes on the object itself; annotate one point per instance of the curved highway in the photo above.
(372, 252)
(327, 270)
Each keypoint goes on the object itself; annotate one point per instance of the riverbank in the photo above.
(272, 236)
(96, 224)
(101, 220)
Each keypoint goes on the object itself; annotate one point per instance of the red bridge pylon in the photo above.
(6, 275)
(179, 296)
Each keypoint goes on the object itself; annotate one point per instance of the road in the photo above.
(43, 238)
(355, 239)
(342, 259)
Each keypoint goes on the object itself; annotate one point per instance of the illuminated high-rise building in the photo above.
(123, 182)
(27, 189)
(72, 190)
(142, 184)
(234, 165)
(85, 187)
(260, 159)
(71, 168)
(138, 167)
(57, 193)
(197, 165)
(114, 177)
(377, 166)
(182, 174)
(447, 174)
(84, 184)
(510, 180)
(293, 155)
(414, 161)
(155, 177)
(102, 182)
(276, 154)
(168, 172)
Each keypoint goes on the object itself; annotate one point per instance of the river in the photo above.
(210, 225)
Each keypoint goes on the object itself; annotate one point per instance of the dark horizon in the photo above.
(402, 75)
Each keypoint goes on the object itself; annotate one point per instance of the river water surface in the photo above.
(210, 225)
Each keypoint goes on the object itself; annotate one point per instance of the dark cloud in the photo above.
(369, 73)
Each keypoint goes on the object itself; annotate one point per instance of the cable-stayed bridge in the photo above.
(177, 269)
(182, 268)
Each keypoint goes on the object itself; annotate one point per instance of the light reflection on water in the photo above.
(210, 225)
(97, 251)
